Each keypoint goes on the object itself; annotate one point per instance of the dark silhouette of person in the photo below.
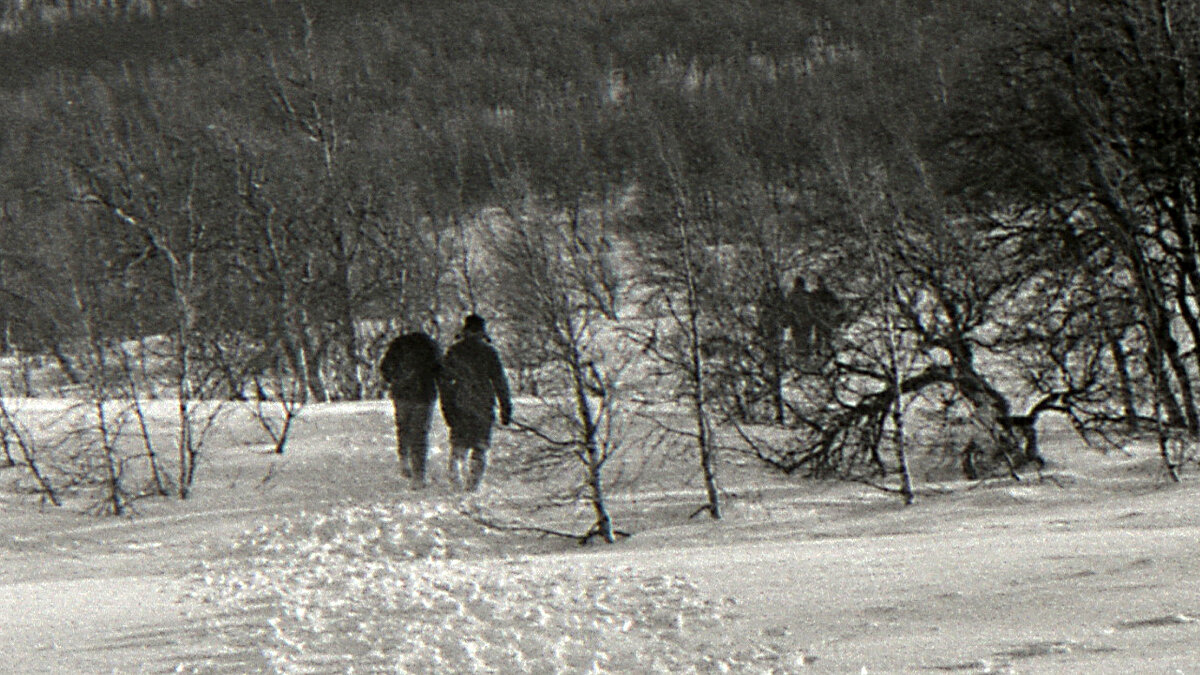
(471, 383)
(799, 316)
(815, 317)
(772, 312)
(411, 366)
(827, 315)
(772, 323)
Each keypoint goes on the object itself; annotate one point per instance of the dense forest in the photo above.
(806, 216)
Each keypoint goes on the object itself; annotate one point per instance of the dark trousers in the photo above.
(412, 437)
(469, 446)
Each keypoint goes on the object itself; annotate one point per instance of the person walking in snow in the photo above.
(411, 366)
(471, 383)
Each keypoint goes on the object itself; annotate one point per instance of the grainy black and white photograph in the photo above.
(599, 336)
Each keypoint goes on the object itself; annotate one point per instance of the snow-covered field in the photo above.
(322, 560)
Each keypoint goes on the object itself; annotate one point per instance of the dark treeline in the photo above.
(846, 207)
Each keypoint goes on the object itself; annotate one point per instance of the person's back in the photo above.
(411, 366)
(471, 379)
(471, 383)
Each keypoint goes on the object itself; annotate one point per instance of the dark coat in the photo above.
(411, 366)
(472, 381)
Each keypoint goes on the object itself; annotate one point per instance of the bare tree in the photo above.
(559, 286)
(134, 392)
(1082, 118)
(163, 182)
(105, 422)
(28, 447)
(289, 394)
(680, 255)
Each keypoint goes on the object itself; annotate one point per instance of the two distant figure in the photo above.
(812, 317)
(470, 381)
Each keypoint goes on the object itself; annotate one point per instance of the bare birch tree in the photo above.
(681, 252)
(15, 432)
(559, 286)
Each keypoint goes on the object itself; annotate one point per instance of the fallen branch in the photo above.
(476, 516)
(535, 431)
(923, 491)
(988, 479)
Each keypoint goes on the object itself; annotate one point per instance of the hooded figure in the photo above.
(411, 366)
(471, 383)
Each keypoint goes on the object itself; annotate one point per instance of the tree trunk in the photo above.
(313, 356)
(603, 526)
(593, 457)
(776, 376)
(897, 408)
(6, 445)
(704, 441)
(65, 363)
(183, 386)
(113, 478)
(182, 284)
(1163, 349)
(28, 451)
(1124, 380)
(1183, 380)
(351, 380)
(97, 382)
(695, 367)
(1014, 435)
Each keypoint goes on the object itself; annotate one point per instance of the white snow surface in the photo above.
(323, 561)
